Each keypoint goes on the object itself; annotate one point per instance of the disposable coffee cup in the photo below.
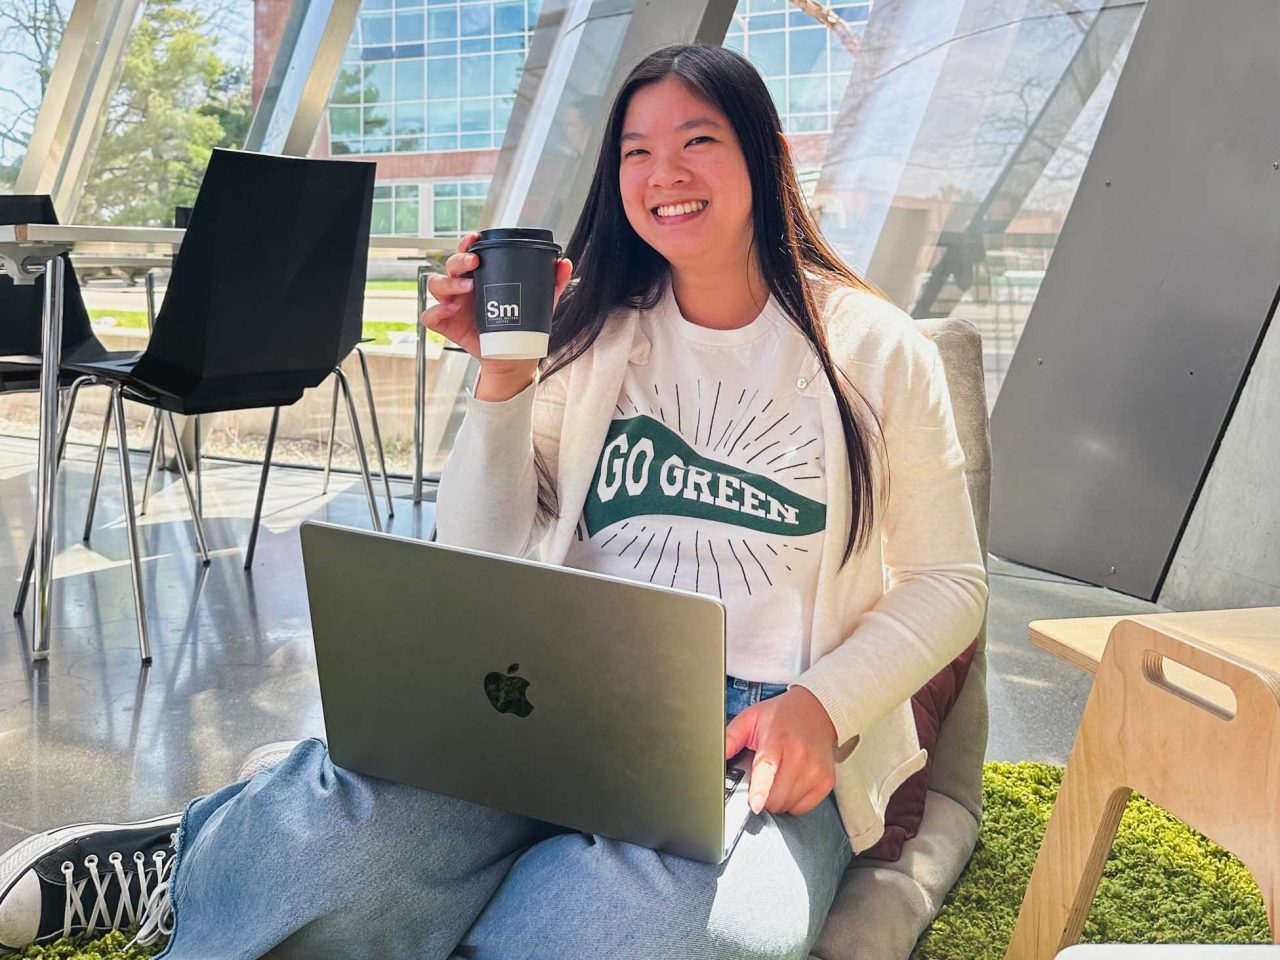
(515, 286)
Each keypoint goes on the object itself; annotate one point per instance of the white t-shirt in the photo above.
(712, 479)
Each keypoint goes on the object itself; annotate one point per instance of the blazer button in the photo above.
(801, 383)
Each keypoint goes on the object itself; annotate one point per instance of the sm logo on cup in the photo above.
(502, 304)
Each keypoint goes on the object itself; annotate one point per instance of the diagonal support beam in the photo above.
(74, 109)
(297, 90)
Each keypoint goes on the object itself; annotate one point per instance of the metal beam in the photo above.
(74, 109)
(582, 50)
(297, 89)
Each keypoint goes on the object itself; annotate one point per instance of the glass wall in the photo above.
(438, 77)
(939, 141)
(958, 146)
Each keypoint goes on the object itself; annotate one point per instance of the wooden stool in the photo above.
(1213, 764)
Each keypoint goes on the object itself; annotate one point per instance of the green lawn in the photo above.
(410, 285)
(380, 330)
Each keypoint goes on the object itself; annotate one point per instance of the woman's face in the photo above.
(683, 178)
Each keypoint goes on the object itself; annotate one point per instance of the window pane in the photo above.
(807, 95)
(475, 77)
(406, 191)
(474, 46)
(344, 121)
(407, 216)
(771, 22)
(409, 79)
(808, 51)
(502, 112)
(474, 21)
(778, 91)
(476, 141)
(442, 117)
(377, 82)
(506, 73)
(443, 142)
(442, 24)
(734, 42)
(382, 192)
(446, 189)
(763, 5)
(509, 43)
(475, 115)
(337, 147)
(409, 118)
(471, 210)
(381, 222)
(377, 145)
(769, 53)
(446, 216)
(376, 120)
(442, 79)
(508, 17)
(475, 188)
(376, 30)
(442, 48)
(409, 27)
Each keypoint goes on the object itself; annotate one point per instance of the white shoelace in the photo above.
(152, 908)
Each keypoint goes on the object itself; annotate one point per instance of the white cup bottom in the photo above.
(514, 345)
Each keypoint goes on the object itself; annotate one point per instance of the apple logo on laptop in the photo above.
(507, 694)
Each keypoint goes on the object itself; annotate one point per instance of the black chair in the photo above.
(21, 317)
(274, 256)
(21, 338)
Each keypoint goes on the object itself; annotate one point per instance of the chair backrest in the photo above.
(21, 306)
(261, 287)
(962, 744)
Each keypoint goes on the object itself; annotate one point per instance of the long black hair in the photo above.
(615, 268)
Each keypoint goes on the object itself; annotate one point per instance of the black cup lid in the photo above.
(517, 237)
(516, 233)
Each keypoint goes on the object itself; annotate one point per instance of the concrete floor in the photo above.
(91, 734)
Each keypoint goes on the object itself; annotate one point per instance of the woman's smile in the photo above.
(669, 214)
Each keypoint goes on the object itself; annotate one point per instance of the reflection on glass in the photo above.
(959, 143)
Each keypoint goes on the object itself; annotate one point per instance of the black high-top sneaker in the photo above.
(88, 878)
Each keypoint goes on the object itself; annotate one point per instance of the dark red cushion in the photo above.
(931, 704)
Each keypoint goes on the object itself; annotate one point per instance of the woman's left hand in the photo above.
(794, 740)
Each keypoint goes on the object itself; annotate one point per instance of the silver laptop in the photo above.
(584, 700)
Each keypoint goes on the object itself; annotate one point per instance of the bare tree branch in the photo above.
(825, 15)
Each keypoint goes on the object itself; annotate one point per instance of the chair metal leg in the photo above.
(157, 445)
(131, 521)
(262, 489)
(360, 454)
(97, 473)
(186, 486)
(67, 410)
(377, 433)
(199, 475)
(333, 424)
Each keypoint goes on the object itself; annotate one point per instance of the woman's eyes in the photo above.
(638, 151)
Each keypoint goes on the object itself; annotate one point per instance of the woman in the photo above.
(726, 408)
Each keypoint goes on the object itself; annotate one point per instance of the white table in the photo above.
(29, 250)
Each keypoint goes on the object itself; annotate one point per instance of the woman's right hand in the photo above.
(453, 316)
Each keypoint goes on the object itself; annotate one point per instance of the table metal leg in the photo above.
(419, 385)
(46, 457)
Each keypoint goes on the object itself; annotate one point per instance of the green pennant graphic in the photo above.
(646, 468)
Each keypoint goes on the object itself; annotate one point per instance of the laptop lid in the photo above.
(572, 697)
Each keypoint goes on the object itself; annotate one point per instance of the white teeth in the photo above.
(674, 210)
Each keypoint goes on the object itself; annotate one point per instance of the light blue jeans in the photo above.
(308, 860)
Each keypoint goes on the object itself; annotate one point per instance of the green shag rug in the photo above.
(1163, 883)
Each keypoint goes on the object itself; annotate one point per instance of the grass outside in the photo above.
(384, 332)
